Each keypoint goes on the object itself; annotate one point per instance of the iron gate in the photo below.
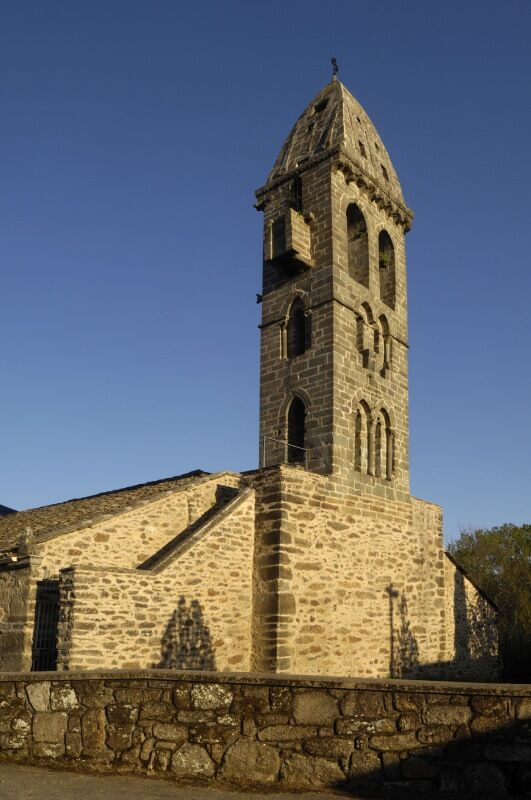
(44, 652)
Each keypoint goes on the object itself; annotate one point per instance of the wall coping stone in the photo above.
(274, 679)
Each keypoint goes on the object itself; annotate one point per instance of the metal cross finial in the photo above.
(335, 68)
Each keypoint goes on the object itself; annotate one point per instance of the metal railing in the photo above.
(287, 447)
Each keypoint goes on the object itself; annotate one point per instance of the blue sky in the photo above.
(133, 137)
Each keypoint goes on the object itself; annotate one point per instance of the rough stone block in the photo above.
(50, 726)
(280, 698)
(192, 761)
(73, 745)
(211, 696)
(399, 742)
(447, 715)
(93, 730)
(170, 732)
(489, 706)
(314, 708)
(119, 737)
(352, 727)
(122, 715)
(364, 704)
(48, 749)
(157, 711)
(247, 761)
(435, 734)
(210, 733)
(409, 721)
(329, 747)
(63, 698)
(408, 701)
(39, 695)
(287, 733)
(307, 772)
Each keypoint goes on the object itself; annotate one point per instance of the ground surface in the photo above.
(18, 782)
(35, 783)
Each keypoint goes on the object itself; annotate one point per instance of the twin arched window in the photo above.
(358, 255)
(373, 340)
(373, 442)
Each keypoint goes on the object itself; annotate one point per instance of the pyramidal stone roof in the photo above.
(84, 510)
(335, 120)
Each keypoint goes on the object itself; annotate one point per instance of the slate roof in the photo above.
(335, 118)
(4, 511)
(74, 513)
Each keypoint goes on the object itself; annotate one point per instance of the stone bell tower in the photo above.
(333, 372)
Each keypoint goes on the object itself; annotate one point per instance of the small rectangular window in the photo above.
(384, 172)
(362, 149)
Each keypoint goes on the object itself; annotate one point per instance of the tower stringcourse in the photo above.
(333, 371)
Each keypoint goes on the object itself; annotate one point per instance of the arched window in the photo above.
(378, 448)
(358, 245)
(296, 431)
(383, 446)
(297, 331)
(362, 438)
(386, 262)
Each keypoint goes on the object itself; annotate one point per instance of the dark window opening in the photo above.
(297, 333)
(296, 193)
(296, 431)
(357, 441)
(44, 650)
(384, 173)
(358, 245)
(386, 262)
(362, 149)
(318, 107)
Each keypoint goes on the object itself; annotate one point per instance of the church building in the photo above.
(320, 561)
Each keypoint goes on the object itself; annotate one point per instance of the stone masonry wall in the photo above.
(350, 584)
(293, 733)
(194, 611)
(127, 539)
(472, 645)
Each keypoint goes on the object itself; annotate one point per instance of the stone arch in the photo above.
(357, 244)
(386, 264)
(297, 329)
(384, 443)
(305, 397)
(304, 296)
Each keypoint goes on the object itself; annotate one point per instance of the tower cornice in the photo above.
(347, 163)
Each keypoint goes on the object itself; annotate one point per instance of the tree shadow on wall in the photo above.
(404, 657)
(187, 643)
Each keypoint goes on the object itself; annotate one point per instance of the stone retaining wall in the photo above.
(293, 732)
